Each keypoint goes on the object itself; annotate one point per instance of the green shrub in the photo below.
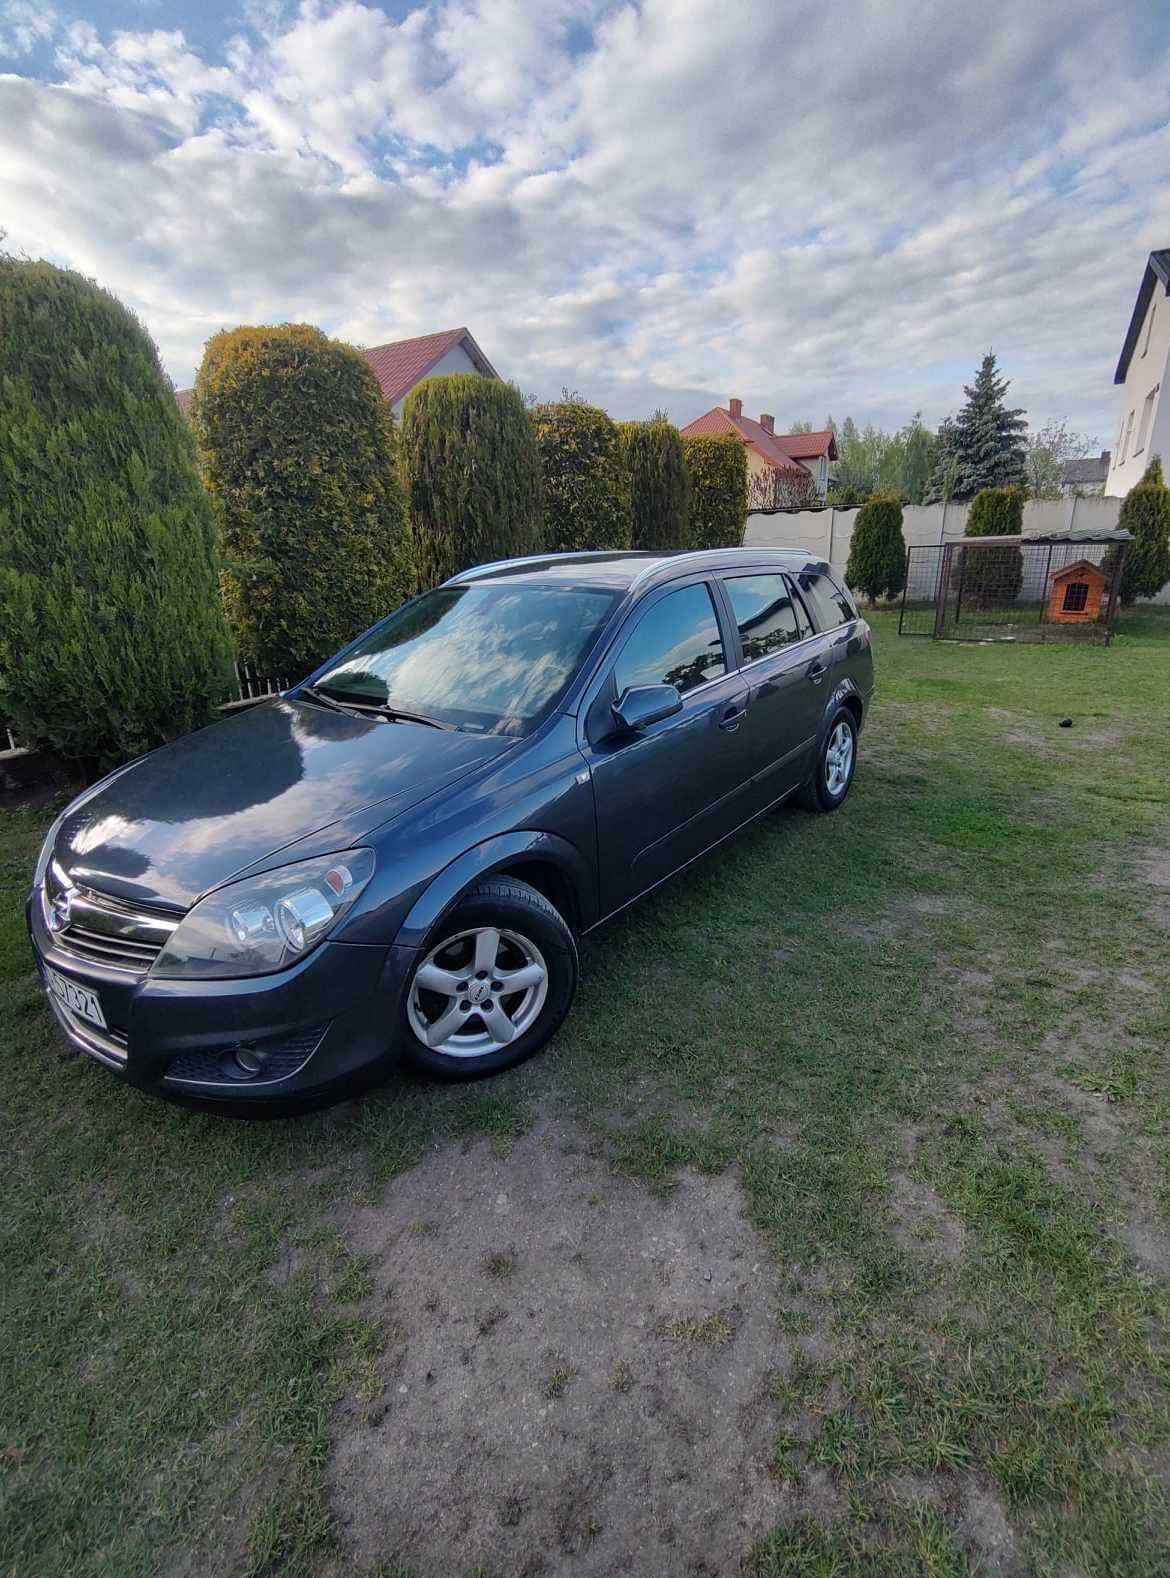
(993, 577)
(297, 446)
(1145, 511)
(586, 483)
(112, 638)
(877, 551)
(996, 512)
(470, 469)
(717, 470)
(658, 483)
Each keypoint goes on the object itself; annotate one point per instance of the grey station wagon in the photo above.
(397, 856)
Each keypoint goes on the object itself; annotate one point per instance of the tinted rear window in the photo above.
(829, 604)
(766, 614)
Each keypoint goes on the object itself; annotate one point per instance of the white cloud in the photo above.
(657, 204)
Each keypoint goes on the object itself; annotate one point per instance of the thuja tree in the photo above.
(660, 488)
(1145, 511)
(586, 481)
(470, 469)
(297, 446)
(717, 469)
(877, 551)
(112, 637)
(993, 576)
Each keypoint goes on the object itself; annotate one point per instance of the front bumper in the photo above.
(299, 1037)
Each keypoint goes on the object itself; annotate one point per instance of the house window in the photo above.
(1076, 596)
(1149, 327)
(1125, 441)
(1147, 418)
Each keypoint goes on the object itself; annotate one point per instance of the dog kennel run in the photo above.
(1060, 586)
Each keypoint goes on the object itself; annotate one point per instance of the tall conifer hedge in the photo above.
(659, 483)
(470, 470)
(877, 550)
(586, 483)
(717, 471)
(1145, 511)
(297, 445)
(112, 638)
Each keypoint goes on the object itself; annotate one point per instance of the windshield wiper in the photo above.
(320, 697)
(380, 709)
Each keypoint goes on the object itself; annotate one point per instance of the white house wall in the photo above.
(1144, 373)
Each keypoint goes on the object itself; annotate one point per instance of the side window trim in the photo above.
(794, 585)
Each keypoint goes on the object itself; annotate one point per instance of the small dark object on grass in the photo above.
(1066, 723)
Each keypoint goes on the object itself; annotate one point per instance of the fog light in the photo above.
(249, 1060)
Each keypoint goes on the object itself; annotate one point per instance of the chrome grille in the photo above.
(102, 929)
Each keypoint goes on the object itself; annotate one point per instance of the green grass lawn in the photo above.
(931, 1037)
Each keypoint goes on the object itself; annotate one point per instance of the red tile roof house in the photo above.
(783, 468)
(404, 363)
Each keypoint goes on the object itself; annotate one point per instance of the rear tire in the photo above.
(493, 982)
(829, 783)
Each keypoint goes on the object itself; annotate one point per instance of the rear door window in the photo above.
(767, 614)
(829, 604)
(676, 642)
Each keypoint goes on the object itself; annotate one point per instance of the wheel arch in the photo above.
(547, 862)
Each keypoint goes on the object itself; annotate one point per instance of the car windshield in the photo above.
(487, 658)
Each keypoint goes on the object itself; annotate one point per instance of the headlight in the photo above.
(46, 853)
(268, 922)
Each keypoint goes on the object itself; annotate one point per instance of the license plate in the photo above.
(78, 999)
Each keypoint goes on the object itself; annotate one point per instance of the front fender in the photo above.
(479, 862)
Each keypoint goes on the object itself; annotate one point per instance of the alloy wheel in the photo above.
(839, 759)
(477, 991)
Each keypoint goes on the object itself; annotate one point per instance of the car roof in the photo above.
(624, 571)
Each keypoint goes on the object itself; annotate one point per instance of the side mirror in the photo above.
(642, 705)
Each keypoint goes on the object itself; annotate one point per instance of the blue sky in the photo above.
(833, 209)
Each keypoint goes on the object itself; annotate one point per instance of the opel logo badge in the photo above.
(61, 908)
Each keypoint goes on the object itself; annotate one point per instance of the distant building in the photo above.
(401, 364)
(1144, 426)
(783, 468)
(1085, 479)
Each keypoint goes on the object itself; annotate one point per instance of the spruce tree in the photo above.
(470, 469)
(988, 435)
(112, 637)
(877, 550)
(1145, 511)
(298, 456)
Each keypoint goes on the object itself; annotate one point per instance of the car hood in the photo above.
(196, 812)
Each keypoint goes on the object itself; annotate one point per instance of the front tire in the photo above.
(826, 789)
(493, 983)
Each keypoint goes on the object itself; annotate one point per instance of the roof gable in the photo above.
(1157, 273)
(401, 364)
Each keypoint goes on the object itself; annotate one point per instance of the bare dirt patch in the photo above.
(603, 1408)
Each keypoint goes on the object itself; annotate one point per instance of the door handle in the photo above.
(816, 671)
(729, 718)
